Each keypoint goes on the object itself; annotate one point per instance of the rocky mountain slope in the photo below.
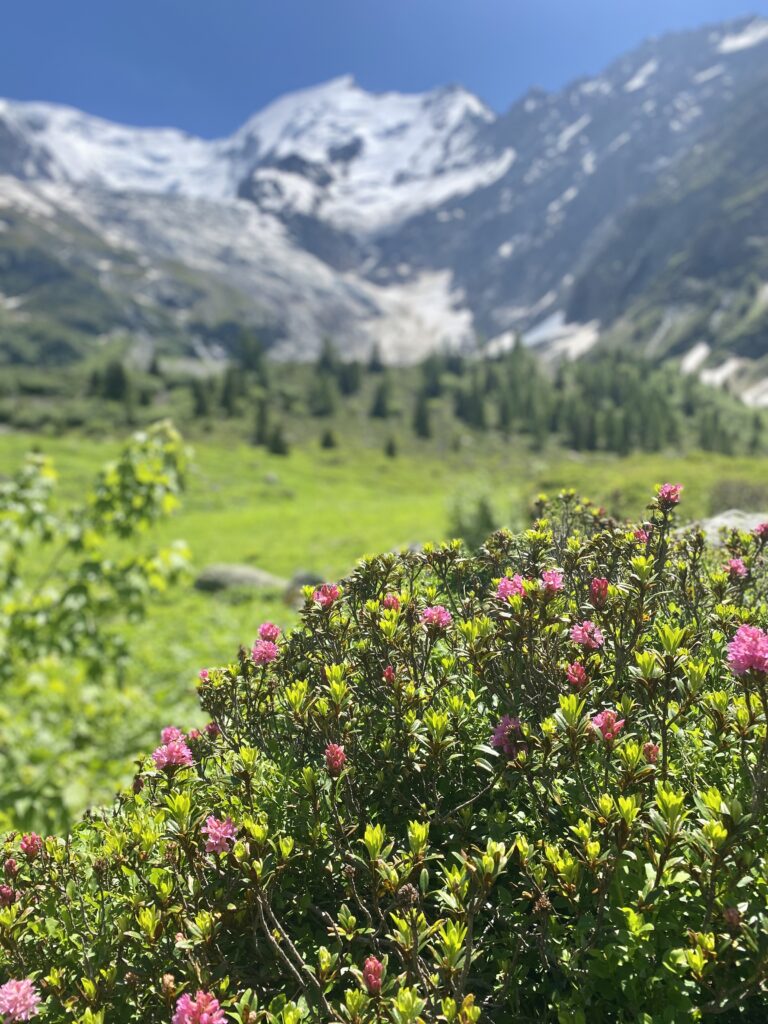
(416, 221)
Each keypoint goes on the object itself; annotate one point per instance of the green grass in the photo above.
(321, 510)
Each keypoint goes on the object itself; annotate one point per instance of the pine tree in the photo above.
(278, 443)
(115, 382)
(375, 363)
(422, 425)
(390, 448)
(201, 401)
(261, 424)
(381, 400)
(328, 439)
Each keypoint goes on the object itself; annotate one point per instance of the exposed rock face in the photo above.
(224, 576)
(733, 519)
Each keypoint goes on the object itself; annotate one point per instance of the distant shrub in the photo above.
(747, 495)
(528, 784)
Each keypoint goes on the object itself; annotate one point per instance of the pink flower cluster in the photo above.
(203, 1009)
(264, 652)
(608, 724)
(389, 675)
(19, 1000)
(326, 595)
(552, 580)
(577, 675)
(506, 736)
(335, 758)
(761, 531)
(510, 586)
(598, 592)
(588, 635)
(641, 536)
(8, 896)
(437, 616)
(748, 651)
(31, 845)
(736, 568)
(373, 970)
(174, 752)
(220, 834)
(269, 631)
(391, 602)
(651, 752)
(669, 495)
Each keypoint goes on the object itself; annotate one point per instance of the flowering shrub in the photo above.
(540, 804)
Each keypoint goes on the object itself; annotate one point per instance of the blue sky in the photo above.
(206, 65)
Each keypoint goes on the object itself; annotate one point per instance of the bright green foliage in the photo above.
(67, 579)
(533, 873)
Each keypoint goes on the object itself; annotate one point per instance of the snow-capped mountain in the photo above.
(412, 220)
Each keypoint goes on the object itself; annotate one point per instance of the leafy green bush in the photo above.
(527, 784)
(68, 578)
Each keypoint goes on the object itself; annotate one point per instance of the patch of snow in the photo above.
(756, 396)
(553, 338)
(589, 162)
(596, 86)
(642, 76)
(22, 196)
(754, 34)
(569, 133)
(720, 375)
(694, 357)
(619, 141)
(708, 74)
(506, 249)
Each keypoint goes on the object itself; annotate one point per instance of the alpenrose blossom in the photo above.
(171, 733)
(212, 730)
(203, 1009)
(389, 675)
(269, 631)
(8, 896)
(588, 635)
(391, 602)
(11, 867)
(326, 595)
(220, 834)
(19, 1000)
(552, 580)
(507, 736)
(598, 592)
(175, 754)
(203, 675)
(264, 652)
(651, 752)
(748, 651)
(510, 586)
(436, 616)
(335, 759)
(736, 568)
(641, 536)
(577, 675)
(669, 495)
(31, 845)
(761, 531)
(373, 970)
(608, 724)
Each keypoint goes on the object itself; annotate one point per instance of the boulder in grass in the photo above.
(733, 519)
(231, 576)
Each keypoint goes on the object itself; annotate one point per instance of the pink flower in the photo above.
(269, 631)
(761, 531)
(607, 724)
(264, 651)
(8, 896)
(669, 495)
(11, 868)
(510, 587)
(326, 595)
(641, 536)
(437, 616)
(651, 752)
(391, 602)
(31, 845)
(335, 759)
(19, 1000)
(598, 592)
(588, 635)
(736, 568)
(194, 735)
(175, 754)
(212, 730)
(577, 675)
(389, 675)
(203, 675)
(552, 580)
(748, 651)
(170, 734)
(506, 735)
(373, 970)
(220, 834)
(203, 1009)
